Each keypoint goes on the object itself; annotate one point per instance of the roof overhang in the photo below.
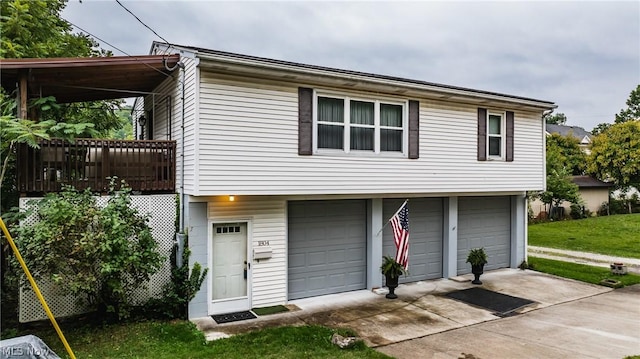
(257, 67)
(90, 78)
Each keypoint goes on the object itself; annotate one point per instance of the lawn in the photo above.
(617, 235)
(579, 272)
(180, 339)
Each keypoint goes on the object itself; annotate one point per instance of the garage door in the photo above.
(425, 237)
(327, 247)
(484, 222)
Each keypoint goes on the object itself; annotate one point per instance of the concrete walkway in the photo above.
(422, 308)
(592, 259)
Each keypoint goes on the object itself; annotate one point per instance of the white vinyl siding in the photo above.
(248, 144)
(268, 223)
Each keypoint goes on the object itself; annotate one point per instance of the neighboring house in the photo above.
(584, 137)
(594, 194)
(592, 191)
(289, 171)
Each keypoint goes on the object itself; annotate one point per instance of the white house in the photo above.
(288, 172)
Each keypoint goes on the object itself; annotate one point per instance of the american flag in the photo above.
(400, 225)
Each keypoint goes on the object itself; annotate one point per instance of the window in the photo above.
(495, 135)
(495, 132)
(363, 125)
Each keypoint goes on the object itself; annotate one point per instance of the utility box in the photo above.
(618, 268)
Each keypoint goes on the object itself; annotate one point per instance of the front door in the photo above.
(230, 270)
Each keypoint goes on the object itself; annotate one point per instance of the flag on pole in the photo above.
(400, 225)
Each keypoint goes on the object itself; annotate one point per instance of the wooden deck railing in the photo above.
(146, 166)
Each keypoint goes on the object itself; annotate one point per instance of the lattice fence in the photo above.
(162, 209)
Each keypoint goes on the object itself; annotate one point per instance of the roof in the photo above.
(90, 78)
(351, 76)
(589, 182)
(575, 131)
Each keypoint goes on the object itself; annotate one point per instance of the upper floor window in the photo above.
(495, 135)
(349, 125)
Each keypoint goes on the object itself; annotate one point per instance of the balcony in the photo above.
(146, 166)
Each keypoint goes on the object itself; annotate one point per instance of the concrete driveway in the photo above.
(568, 319)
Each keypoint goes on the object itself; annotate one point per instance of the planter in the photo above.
(477, 270)
(392, 284)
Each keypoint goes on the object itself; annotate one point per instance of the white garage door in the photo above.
(327, 247)
(484, 222)
(425, 237)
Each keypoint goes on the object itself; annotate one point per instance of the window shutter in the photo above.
(482, 134)
(305, 121)
(414, 129)
(510, 123)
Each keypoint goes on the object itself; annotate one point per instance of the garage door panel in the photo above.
(327, 243)
(425, 237)
(484, 222)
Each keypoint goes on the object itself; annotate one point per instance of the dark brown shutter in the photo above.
(414, 129)
(510, 122)
(482, 134)
(305, 121)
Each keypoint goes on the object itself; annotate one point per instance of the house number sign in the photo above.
(263, 243)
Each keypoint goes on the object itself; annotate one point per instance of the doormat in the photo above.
(503, 305)
(270, 310)
(233, 317)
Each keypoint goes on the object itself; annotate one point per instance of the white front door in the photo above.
(230, 270)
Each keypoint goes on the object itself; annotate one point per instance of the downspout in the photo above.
(181, 235)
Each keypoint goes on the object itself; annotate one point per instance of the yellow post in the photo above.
(36, 289)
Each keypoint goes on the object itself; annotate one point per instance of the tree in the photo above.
(560, 188)
(555, 119)
(615, 155)
(564, 153)
(600, 128)
(632, 112)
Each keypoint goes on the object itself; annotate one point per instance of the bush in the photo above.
(100, 255)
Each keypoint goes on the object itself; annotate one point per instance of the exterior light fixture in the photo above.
(142, 121)
(232, 198)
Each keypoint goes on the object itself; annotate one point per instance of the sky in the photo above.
(582, 55)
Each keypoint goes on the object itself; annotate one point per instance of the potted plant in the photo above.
(391, 270)
(477, 258)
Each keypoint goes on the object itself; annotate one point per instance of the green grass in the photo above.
(579, 272)
(617, 235)
(180, 339)
(270, 310)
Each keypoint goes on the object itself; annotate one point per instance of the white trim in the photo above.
(228, 304)
(502, 136)
(346, 124)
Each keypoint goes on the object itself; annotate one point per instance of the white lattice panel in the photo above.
(162, 209)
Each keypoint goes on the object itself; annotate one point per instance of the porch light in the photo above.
(232, 198)
(142, 121)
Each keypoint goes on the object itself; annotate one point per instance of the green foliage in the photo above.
(101, 255)
(632, 112)
(555, 119)
(477, 257)
(563, 152)
(615, 155)
(578, 211)
(125, 125)
(601, 127)
(612, 235)
(391, 268)
(581, 272)
(181, 289)
(559, 189)
(181, 339)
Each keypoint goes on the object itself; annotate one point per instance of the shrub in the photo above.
(100, 255)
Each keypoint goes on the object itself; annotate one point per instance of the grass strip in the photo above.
(581, 272)
(181, 339)
(617, 235)
(270, 310)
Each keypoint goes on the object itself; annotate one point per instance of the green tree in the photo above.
(100, 255)
(564, 153)
(555, 119)
(632, 112)
(601, 127)
(560, 188)
(615, 155)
